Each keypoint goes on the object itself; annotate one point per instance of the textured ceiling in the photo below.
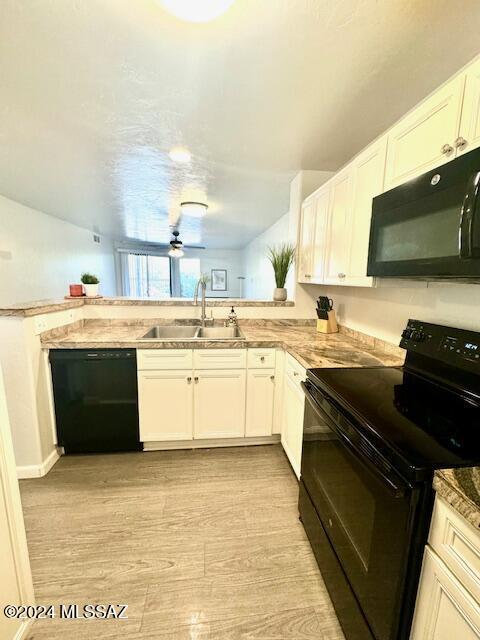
(95, 93)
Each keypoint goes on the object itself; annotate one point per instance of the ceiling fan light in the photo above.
(194, 209)
(180, 154)
(175, 252)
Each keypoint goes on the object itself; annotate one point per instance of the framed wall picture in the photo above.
(219, 279)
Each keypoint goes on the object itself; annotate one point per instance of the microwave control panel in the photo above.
(457, 347)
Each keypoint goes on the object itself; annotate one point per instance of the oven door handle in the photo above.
(395, 485)
(466, 249)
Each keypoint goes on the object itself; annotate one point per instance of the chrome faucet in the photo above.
(203, 318)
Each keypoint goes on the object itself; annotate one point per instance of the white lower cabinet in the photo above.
(293, 410)
(219, 404)
(448, 595)
(445, 610)
(260, 399)
(226, 393)
(165, 405)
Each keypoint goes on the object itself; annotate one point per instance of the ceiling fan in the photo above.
(177, 247)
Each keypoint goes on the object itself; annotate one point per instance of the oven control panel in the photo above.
(457, 347)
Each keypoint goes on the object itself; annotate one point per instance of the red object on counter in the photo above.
(76, 290)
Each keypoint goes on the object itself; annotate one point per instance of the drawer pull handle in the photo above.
(262, 358)
(189, 379)
(196, 379)
(272, 377)
(295, 373)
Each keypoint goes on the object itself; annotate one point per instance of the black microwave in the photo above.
(429, 227)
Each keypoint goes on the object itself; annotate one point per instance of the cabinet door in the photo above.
(165, 405)
(292, 428)
(337, 231)
(425, 138)
(278, 395)
(444, 610)
(305, 249)
(260, 395)
(322, 201)
(368, 178)
(470, 125)
(219, 403)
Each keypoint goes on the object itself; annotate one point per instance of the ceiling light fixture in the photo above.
(197, 10)
(194, 209)
(176, 246)
(180, 154)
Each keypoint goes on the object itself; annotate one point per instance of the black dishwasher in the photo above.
(96, 399)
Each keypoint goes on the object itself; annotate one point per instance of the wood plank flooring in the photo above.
(201, 544)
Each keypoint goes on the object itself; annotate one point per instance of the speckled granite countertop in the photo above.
(461, 489)
(39, 307)
(310, 348)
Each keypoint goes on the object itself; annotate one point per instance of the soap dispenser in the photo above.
(231, 321)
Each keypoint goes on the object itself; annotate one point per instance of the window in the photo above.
(189, 274)
(147, 275)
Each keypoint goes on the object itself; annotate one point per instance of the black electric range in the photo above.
(372, 440)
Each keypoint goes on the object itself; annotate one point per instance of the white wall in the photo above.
(383, 312)
(41, 255)
(229, 259)
(260, 280)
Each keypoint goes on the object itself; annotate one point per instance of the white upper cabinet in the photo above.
(322, 201)
(312, 246)
(336, 262)
(469, 137)
(336, 219)
(305, 249)
(425, 138)
(368, 178)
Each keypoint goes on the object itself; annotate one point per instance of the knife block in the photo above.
(328, 326)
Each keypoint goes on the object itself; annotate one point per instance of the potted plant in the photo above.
(90, 285)
(282, 258)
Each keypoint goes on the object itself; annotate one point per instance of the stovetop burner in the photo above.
(426, 413)
(427, 425)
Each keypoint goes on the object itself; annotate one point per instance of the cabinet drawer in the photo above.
(458, 545)
(164, 359)
(294, 370)
(261, 358)
(220, 359)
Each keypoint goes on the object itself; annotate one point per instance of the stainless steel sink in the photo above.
(215, 333)
(171, 332)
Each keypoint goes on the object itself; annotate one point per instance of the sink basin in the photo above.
(214, 333)
(172, 332)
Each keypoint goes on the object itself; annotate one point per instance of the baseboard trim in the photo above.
(23, 630)
(38, 470)
(210, 444)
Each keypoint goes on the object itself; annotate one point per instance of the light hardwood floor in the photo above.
(201, 544)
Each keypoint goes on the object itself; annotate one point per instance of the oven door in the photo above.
(365, 509)
(429, 227)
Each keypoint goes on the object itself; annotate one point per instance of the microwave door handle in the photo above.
(397, 490)
(467, 217)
